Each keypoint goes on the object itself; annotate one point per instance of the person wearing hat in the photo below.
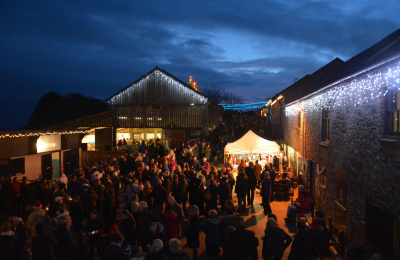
(37, 216)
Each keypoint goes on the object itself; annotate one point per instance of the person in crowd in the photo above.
(205, 167)
(229, 164)
(225, 192)
(44, 245)
(266, 193)
(94, 230)
(302, 205)
(212, 228)
(20, 231)
(81, 249)
(128, 228)
(175, 251)
(322, 238)
(170, 221)
(242, 242)
(229, 220)
(304, 245)
(10, 246)
(157, 251)
(137, 253)
(167, 182)
(241, 190)
(275, 241)
(144, 218)
(258, 171)
(319, 215)
(242, 164)
(182, 192)
(23, 188)
(213, 190)
(155, 231)
(207, 152)
(114, 251)
(63, 237)
(76, 213)
(193, 230)
(15, 193)
(37, 216)
(160, 196)
(177, 209)
(251, 184)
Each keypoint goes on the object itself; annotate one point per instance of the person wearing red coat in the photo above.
(15, 195)
(170, 221)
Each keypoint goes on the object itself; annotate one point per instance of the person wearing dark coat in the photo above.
(304, 246)
(193, 230)
(160, 196)
(77, 214)
(266, 193)
(10, 246)
(214, 191)
(224, 192)
(144, 218)
(242, 243)
(114, 251)
(212, 228)
(44, 245)
(94, 229)
(275, 241)
(128, 228)
(64, 248)
(182, 192)
(241, 189)
(81, 249)
(251, 184)
(155, 231)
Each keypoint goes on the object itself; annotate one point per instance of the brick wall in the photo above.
(360, 166)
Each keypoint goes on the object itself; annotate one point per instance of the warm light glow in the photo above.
(274, 102)
(279, 97)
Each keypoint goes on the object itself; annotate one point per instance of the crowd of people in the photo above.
(166, 198)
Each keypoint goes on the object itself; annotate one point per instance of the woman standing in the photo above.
(275, 241)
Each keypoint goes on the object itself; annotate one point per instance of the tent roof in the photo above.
(251, 143)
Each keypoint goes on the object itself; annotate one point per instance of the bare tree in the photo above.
(215, 93)
(219, 95)
(230, 98)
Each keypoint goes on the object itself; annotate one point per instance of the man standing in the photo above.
(242, 242)
(252, 182)
(241, 189)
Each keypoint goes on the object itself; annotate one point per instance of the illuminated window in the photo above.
(325, 125)
(393, 111)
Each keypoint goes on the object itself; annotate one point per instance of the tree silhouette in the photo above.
(53, 109)
(220, 96)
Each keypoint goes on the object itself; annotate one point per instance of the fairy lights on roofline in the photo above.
(354, 93)
(13, 135)
(158, 73)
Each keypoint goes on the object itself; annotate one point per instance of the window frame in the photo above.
(393, 96)
(325, 125)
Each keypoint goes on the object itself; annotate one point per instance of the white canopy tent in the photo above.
(251, 143)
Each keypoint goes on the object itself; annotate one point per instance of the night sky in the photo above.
(251, 48)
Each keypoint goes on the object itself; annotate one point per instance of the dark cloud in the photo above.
(253, 49)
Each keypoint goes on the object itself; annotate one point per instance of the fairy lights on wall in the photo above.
(354, 93)
(160, 74)
(13, 135)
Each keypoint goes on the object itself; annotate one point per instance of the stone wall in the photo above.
(361, 166)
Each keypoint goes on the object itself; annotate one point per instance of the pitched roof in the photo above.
(148, 74)
(386, 49)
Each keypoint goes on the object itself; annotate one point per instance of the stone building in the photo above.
(341, 133)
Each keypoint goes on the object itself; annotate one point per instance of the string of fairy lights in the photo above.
(13, 135)
(157, 73)
(357, 92)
